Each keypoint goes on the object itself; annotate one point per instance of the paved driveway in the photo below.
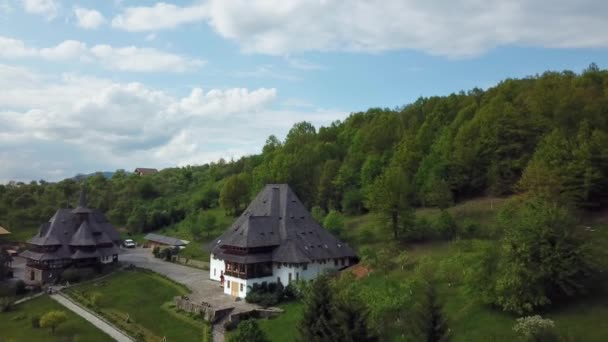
(197, 280)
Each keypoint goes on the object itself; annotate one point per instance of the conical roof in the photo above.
(83, 236)
(277, 218)
(82, 203)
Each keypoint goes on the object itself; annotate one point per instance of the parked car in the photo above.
(128, 243)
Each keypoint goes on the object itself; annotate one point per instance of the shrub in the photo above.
(20, 287)
(468, 229)
(445, 225)
(536, 328)
(53, 319)
(96, 298)
(74, 275)
(268, 294)
(248, 331)
(71, 275)
(421, 230)
(6, 303)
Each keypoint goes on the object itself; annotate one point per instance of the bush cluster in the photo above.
(74, 275)
(270, 294)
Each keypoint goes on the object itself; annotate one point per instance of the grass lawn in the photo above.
(283, 327)
(16, 325)
(141, 295)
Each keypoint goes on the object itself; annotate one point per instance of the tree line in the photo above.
(545, 133)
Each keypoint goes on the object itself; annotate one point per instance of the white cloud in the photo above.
(66, 50)
(88, 18)
(160, 16)
(458, 28)
(128, 58)
(142, 59)
(57, 127)
(46, 8)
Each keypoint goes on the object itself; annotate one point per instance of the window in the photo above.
(297, 276)
(241, 287)
(228, 283)
(214, 272)
(289, 280)
(335, 262)
(343, 261)
(305, 267)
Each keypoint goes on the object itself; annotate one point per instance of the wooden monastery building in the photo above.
(80, 237)
(275, 240)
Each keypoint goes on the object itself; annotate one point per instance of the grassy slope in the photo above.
(16, 324)
(141, 294)
(584, 319)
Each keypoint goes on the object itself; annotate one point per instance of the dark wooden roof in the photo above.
(166, 240)
(276, 219)
(80, 227)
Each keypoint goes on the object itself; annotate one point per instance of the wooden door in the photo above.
(234, 289)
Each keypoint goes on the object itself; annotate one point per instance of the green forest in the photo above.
(539, 144)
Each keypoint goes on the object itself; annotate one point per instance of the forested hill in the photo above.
(547, 133)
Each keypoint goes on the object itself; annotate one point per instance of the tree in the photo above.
(317, 323)
(389, 199)
(541, 258)
(196, 231)
(5, 259)
(536, 329)
(53, 319)
(208, 223)
(440, 194)
(351, 321)
(446, 225)
(234, 193)
(248, 331)
(334, 222)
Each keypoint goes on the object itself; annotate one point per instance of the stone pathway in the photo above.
(97, 321)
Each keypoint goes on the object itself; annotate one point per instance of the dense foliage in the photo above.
(541, 257)
(545, 133)
(248, 331)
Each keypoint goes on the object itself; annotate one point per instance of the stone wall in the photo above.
(204, 309)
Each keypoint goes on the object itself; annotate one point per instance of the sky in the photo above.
(91, 86)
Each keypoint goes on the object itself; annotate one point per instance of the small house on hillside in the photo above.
(80, 238)
(142, 171)
(157, 240)
(275, 240)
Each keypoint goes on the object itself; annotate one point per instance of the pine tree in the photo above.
(317, 323)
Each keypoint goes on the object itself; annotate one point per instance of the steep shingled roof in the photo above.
(80, 227)
(276, 218)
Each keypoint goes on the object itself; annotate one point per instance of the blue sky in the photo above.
(101, 85)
